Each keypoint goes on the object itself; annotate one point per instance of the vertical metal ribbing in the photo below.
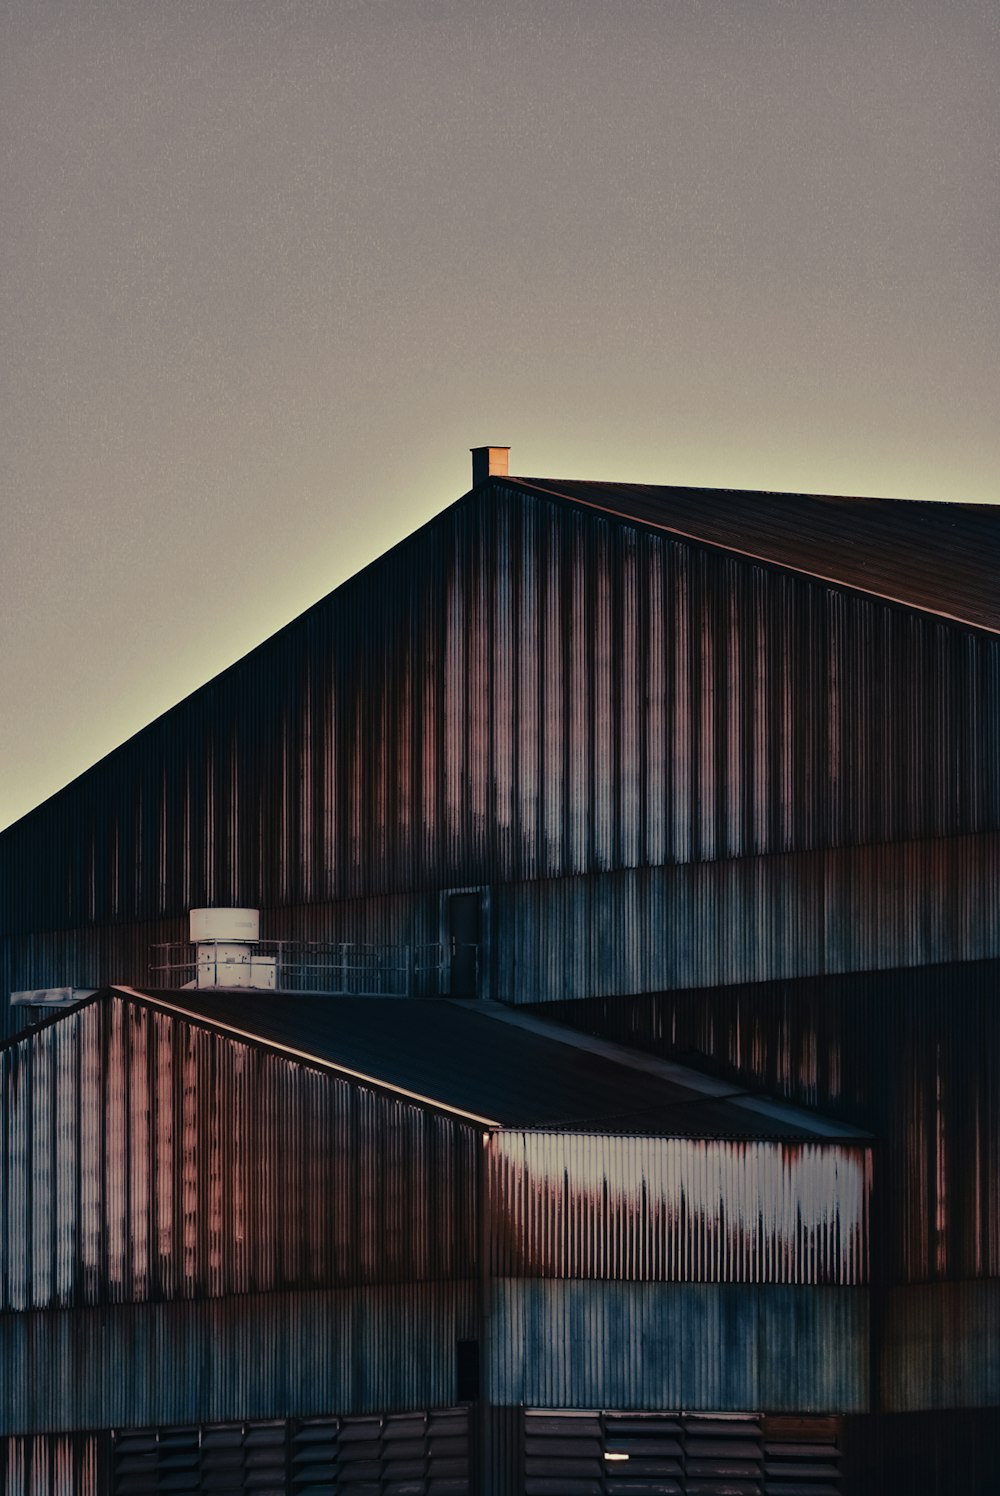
(910, 1055)
(646, 685)
(677, 1210)
(145, 1158)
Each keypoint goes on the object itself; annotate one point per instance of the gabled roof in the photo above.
(492, 1066)
(942, 558)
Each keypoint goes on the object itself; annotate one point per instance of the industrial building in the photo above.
(530, 1026)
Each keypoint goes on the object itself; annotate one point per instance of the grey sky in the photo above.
(270, 269)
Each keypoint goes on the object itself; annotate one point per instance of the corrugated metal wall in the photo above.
(942, 1346)
(677, 1209)
(914, 1056)
(953, 1453)
(646, 929)
(718, 1347)
(51, 1465)
(143, 1157)
(273, 1355)
(746, 920)
(522, 690)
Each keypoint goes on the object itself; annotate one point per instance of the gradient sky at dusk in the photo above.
(269, 269)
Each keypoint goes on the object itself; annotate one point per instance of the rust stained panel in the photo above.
(144, 1158)
(635, 698)
(50, 1465)
(677, 1210)
(911, 1055)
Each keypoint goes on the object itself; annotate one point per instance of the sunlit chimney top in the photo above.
(489, 462)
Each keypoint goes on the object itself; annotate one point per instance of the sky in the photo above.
(268, 270)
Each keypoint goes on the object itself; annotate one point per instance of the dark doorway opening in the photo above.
(466, 1371)
(465, 935)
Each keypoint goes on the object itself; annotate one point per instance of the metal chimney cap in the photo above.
(489, 462)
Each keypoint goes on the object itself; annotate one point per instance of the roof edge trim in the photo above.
(524, 486)
(318, 1061)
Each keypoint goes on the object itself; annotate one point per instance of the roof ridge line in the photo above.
(734, 550)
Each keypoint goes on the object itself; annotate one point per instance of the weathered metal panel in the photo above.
(941, 1346)
(747, 920)
(144, 1157)
(913, 1056)
(51, 1465)
(950, 1453)
(273, 1355)
(717, 1347)
(677, 1210)
(646, 929)
(527, 688)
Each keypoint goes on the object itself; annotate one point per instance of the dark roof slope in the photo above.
(941, 558)
(499, 1068)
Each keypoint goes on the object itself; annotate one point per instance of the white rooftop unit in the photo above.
(225, 941)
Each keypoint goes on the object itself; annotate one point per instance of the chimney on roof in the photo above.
(489, 462)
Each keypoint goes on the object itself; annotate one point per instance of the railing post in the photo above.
(409, 970)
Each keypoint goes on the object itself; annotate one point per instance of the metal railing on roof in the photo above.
(344, 968)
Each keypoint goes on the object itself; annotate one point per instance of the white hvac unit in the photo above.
(237, 925)
(226, 955)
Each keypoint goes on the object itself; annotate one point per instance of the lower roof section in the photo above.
(500, 1069)
(152, 1154)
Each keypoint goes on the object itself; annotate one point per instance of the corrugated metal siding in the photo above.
(713, 1347)
(51, 1465)
(526, 689)
(953, 1453)
(913, 1056)
(677, 1210)
(102, 954)
(941, 1346)
(143, 1157)
(747, 920)
(646, 929)
(944, 557)
(274, 1355)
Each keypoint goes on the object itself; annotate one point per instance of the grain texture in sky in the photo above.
(270, 269)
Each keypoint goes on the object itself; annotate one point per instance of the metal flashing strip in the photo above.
(708, 1087)
(301, 1054)
(621, 1054)
(758, 556)
(783, 1111)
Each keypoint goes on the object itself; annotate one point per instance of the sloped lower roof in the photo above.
(943, 558)
(499, 1068)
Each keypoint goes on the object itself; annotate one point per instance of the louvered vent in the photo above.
(421, 1454)
(625, 1454)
